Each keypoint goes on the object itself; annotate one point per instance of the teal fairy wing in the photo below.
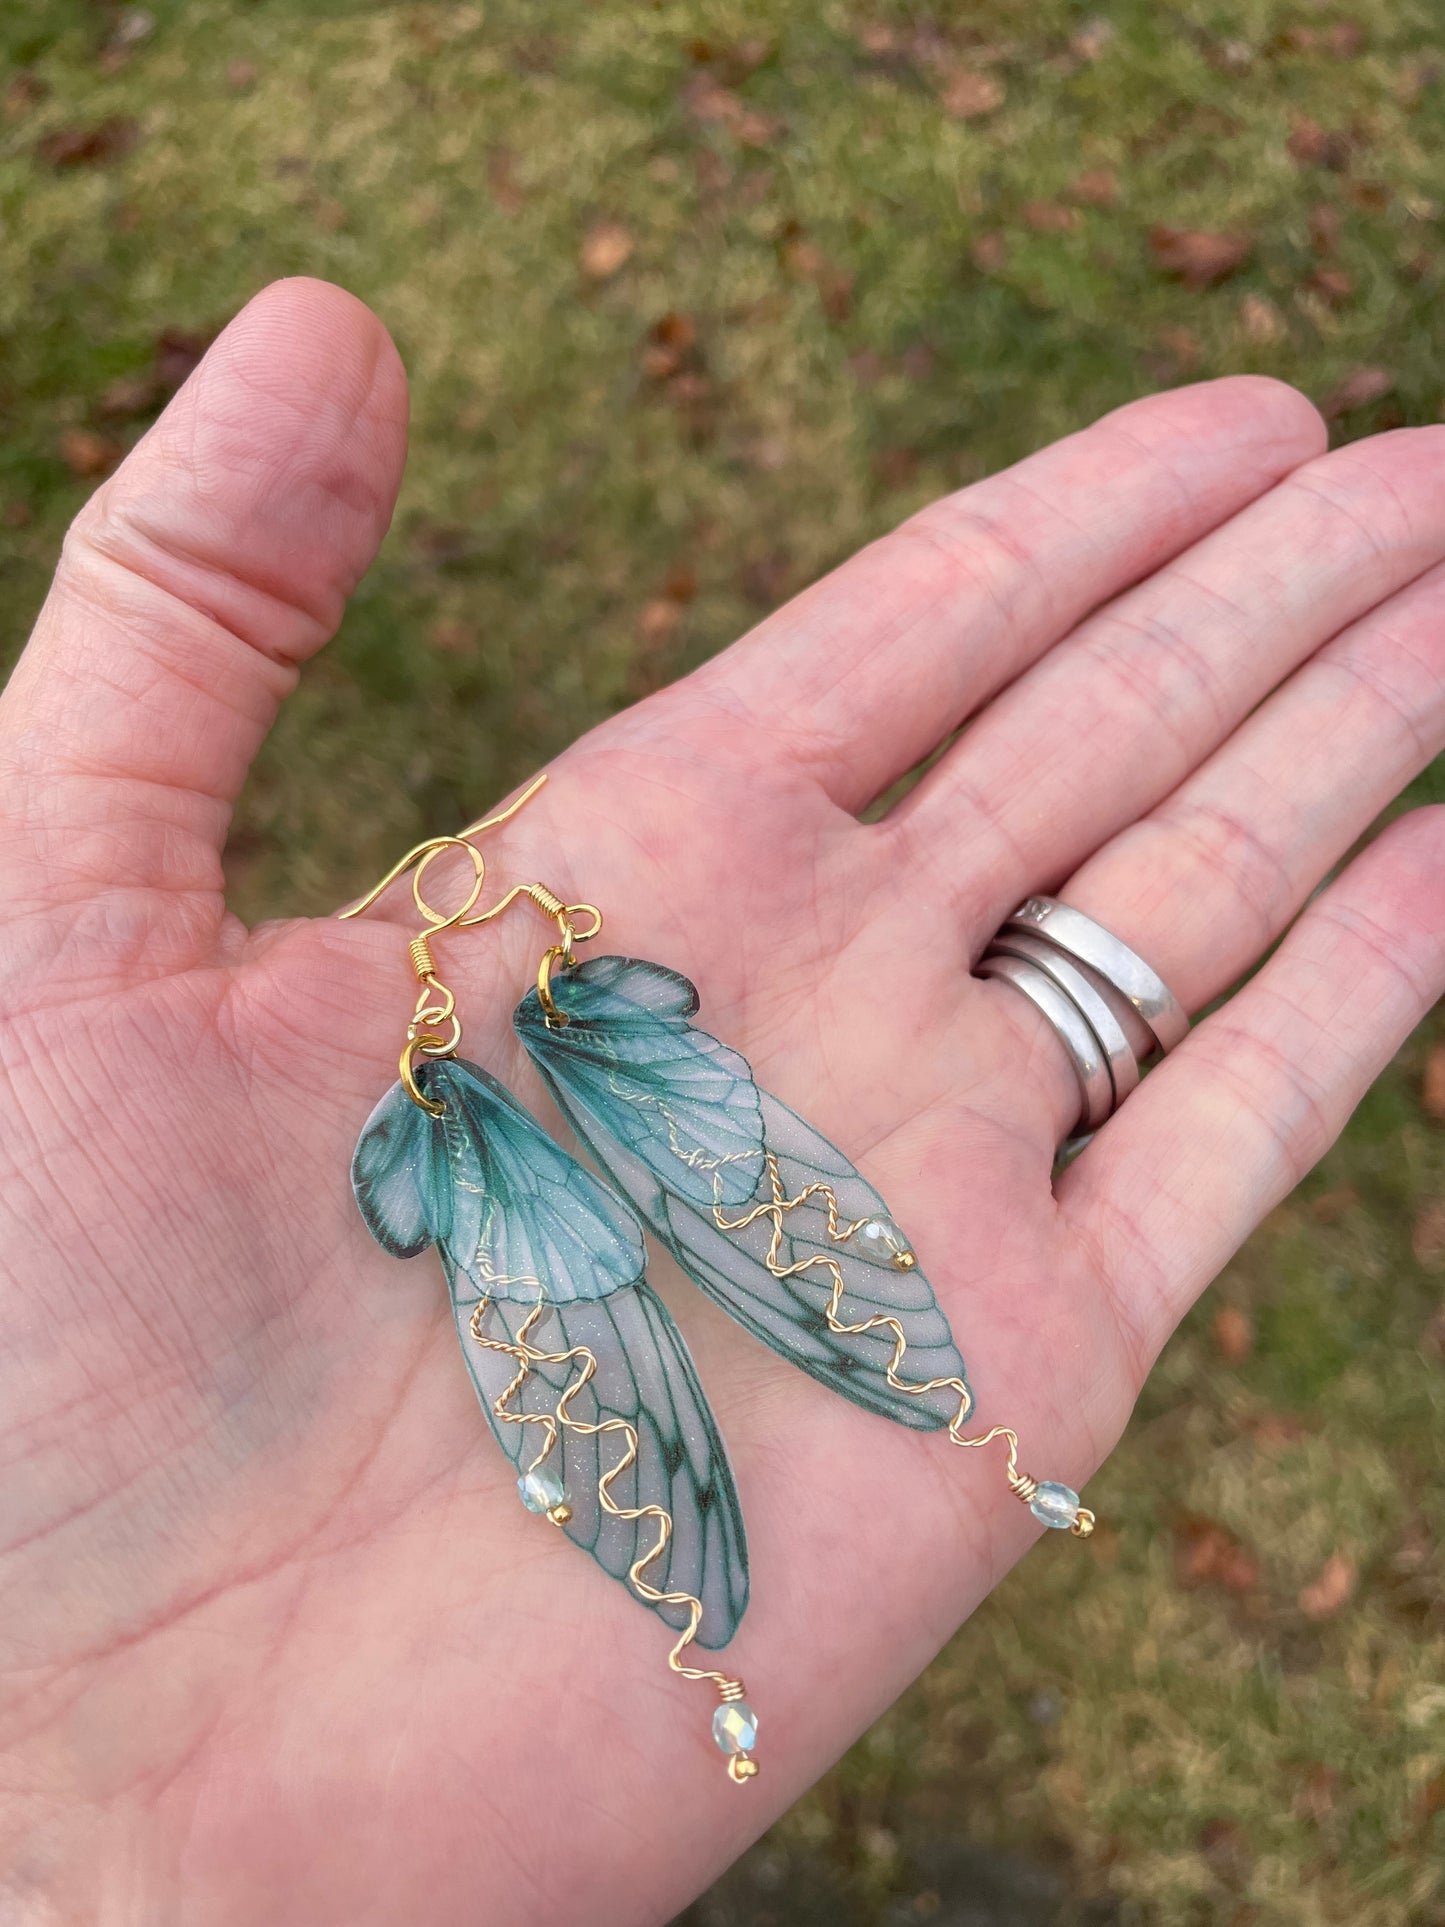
(520, 1224)
(644, 1377)
(400, 1177)
(629, 1056)
(527, 1220)
(614, 1006)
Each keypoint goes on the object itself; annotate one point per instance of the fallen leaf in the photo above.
(1314, 146)
(1099, 187)
(969, 94)
(1336, 1203)
(895, 467)
(17, 515)
(25, 91)
(453, 635)
(990, 253)
(131, 395)
(1233, 1333)
(1260, 319)
(1182, 346)
(1324, 226)
(241, 76)
(658, 621)
(1432, 1090)
(1196, 257)
(1051, 217)
(1357, 390)
(680, 583)
(1332, 285)
(85, 453)
(1208, 1554)
(766, 578)
(1323, 1598)
(1345, 39)
(502, 179)
(178, 353)
(94, 146)
(1427, 1237)
(1093, 38)
(1226, 1851)
(1432, 1799)
(607, 246)
(1315, 1797)
(670, 341)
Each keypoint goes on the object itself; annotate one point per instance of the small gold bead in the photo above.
(906, 1260)
(741, 1768)
(560, 1514)
(1084, 1524)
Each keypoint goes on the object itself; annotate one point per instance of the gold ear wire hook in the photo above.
(421, 1036)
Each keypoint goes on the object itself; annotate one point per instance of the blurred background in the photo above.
(695, 299)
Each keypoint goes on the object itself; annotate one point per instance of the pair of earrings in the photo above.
(582, 1373)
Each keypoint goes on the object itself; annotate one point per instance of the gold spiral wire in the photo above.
(775, 1209)
(740, 1767)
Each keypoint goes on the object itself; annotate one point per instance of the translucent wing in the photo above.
(686, 1103)
(644, 1376)
(400, 1177)
(527, 1220)
(788, 1313)
(520, 1223)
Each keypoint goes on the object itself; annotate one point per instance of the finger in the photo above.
(216, 559)
(867, 672)
(1117, 716)
(1204, 885)
(1256, 1094)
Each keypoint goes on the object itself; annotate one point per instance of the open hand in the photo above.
(279, 1643)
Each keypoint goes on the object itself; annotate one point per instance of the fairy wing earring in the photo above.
(584, 1377)
(771, 1220)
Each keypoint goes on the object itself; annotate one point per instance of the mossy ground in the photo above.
(696, 299)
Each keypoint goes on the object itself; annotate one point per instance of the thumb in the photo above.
(192, 585)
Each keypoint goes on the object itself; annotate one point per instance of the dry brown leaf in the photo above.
(1227, 1852)
(502, 179)
(1332, 285)
(131, 395)
(241, 76)
(1315, 1798)
(1208, 1554)
(1427, 1236)
(670, 341)
(1432, 1090)
(969, 94)
(1324, 226)
(658, 621)
(1260, 319)
(1334, 1588)
(1099, 187)
(453, 636)
(87, 454)
(1233, 1333)
(1051, 217)
(94, 146)
(1315, 146)
(1357, 390)
(1197, 257)
(25, 91)
(607, 247)
(990, 253)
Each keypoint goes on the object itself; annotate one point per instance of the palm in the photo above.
(283, 1639)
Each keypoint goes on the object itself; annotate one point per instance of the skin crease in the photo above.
(278, 1640)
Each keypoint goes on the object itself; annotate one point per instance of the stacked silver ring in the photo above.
(1108, 1008)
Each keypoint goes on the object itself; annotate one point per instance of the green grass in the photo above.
(879, 300)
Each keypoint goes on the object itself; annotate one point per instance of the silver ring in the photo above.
(1093, 1008)
(1086, 1053)
(1090, 943)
